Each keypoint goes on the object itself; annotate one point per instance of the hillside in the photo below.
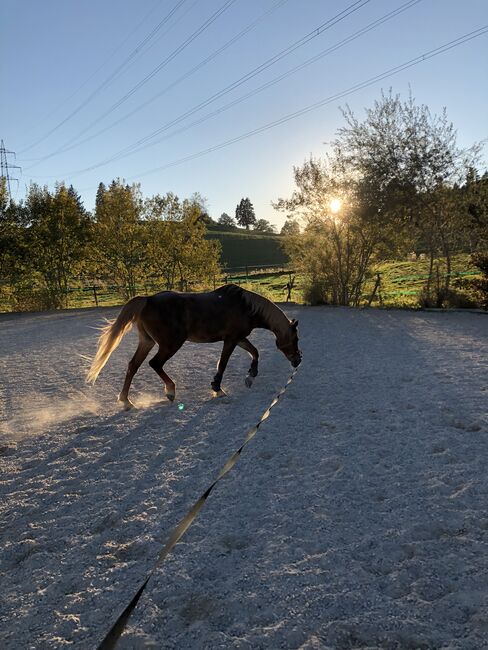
(241, 248)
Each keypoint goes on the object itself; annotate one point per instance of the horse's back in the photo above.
(200, 317)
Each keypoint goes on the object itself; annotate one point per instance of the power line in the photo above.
(311, 107)
(277, 79)
(110, 78)
(90, 77)
(355, 6)
(184, 76)
(331, 22)
(157, 69)
(134, 89)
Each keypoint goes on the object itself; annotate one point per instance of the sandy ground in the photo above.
(357, 518)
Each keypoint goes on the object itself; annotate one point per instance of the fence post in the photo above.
(95, 295)
(376, 287)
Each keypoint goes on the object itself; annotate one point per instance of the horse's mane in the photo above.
(270, 313)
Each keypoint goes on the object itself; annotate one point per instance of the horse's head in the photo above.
(287, 342)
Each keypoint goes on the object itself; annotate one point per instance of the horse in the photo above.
(170, 318)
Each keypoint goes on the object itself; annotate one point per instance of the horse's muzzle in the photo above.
(295, 362)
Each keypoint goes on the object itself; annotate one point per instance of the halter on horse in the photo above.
(169, 318)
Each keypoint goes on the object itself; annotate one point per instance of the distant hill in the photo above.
(242, 248)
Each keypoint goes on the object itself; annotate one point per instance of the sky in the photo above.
(83, 81)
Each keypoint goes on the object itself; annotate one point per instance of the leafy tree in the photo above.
(163, 208)
(12, 239)
(177, 249)
(262, 225)
(119, 238)
(245, 214)
(290, 227)
(334, 252)
(410, 165)
(475, 195)
(397, 172)
(480, 285)
(16, 261)
(57, 238)
(168, 207)
(226, 220)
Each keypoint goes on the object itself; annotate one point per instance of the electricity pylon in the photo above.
(5, 167)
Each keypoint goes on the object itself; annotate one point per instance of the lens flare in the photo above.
(335, 205)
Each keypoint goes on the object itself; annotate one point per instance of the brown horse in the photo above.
(170, 318)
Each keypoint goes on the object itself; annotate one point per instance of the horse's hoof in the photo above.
(127, 405)
(248, 381)
(219, 393)
(170, 396)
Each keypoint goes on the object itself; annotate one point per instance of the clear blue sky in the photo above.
(56, 54)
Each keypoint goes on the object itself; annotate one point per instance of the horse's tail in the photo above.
(112, 335)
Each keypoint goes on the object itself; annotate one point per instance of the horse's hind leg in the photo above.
(145, 345)
(157, 363)
(245, 344)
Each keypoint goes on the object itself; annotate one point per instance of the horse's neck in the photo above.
(269, 316)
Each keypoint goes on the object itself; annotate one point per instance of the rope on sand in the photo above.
(113, 635)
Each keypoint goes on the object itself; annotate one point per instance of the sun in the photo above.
(335, 205)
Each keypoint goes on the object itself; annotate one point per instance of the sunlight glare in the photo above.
(335, 205)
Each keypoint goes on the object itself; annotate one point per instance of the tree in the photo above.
(120, 240)
(12, 239)
(163, 208)
(397, 173)
(177, 250)
(335, 251)
(475, 199)
(410, 165)
(290, 227)
(475, 195)
(262, 225)
(57, 238)
(226, 220)
(480, 285)
(245, 214)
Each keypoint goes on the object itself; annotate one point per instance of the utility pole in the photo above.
(5, 167)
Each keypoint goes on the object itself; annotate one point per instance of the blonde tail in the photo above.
(112, 334)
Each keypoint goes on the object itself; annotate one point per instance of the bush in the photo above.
(441, 299)
(36, 299)
(315, 292)
(480, 285)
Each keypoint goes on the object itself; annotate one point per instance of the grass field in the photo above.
(401, 282)
(241, 248)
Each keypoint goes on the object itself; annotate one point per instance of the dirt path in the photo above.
(357, 517)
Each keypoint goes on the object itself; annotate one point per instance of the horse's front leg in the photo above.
(227, 350)
(245, 344)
